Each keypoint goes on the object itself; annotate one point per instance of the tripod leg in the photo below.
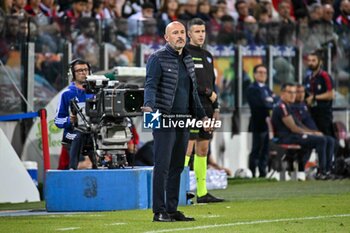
(130, 159)
(92, 157)
(93, 153)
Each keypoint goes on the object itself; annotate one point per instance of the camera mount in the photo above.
(105, 121)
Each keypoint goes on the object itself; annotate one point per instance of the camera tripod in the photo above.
(103, 140)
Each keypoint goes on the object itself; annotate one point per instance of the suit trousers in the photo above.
(259, 154)
(170, 147)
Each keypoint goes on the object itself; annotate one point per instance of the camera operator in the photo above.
(74, 140)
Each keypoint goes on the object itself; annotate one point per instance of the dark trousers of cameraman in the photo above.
(75, 150)
(169, 157)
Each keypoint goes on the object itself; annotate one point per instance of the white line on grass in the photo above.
(115, 224)
(211, 216)
(68, 229)
(250, 223)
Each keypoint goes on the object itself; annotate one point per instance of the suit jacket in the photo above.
(260, 107)
(161, 81)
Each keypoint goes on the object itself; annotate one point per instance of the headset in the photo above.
(78, 61)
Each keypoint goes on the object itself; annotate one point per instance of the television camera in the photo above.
(105, 121)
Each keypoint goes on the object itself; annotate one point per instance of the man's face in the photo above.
(288, 95)
(284, 10)
(242, 9)
(173, 4)
(222, 6)
(89, 5)
(90, 30)
(147, 13)
(313, 62)
(328, 12)
(79, 6)
(13, 25)
(23, 28)
(112, 3)
(122, 25)
(345, 7)
(300, 94)
(150, 27)
(316, 14)
(191, 6)
(20, 3)
(260, 74)
(80, 72)
(175, 35)
(197, 35)
(204, 8)
(35, 2)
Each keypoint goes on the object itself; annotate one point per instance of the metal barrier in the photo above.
(44, 131)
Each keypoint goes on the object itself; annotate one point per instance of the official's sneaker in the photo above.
(320, 176)
(162, 217)
(208, 198)
(179, 216)
(330, 176)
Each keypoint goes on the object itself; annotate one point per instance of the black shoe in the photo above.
(162, 217)
(190, 195)
(179, 216)
(330, 176)
(208, 198)
(321, 176)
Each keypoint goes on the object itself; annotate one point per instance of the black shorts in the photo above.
(199, 133)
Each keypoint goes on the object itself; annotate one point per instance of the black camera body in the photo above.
(107, 118)
(112, 99)
(115, 103)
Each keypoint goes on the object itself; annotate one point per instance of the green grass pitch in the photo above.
(251, 206)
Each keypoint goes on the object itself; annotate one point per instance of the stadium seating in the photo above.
(282, 157)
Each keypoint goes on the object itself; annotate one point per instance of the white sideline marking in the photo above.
(211, 216)
(250, 223)
(115, 224)
(73, 215)
(68, 228)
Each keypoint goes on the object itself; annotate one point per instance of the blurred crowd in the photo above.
(122, 25)
(125, 23)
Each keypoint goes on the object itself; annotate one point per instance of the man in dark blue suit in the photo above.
(260, 99)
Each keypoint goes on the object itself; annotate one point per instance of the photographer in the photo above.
(66, 119)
